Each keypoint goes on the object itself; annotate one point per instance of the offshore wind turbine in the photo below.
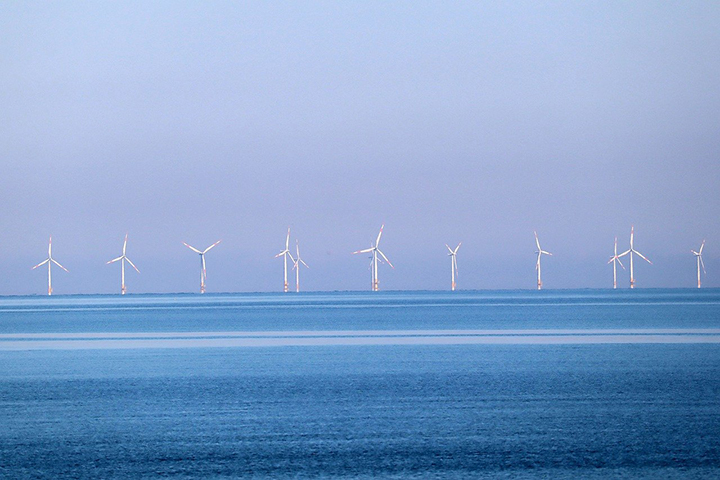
(296, 266)
(698, 255)
(615, 259)
(49, 262)
(453, 263)
(374, 262)
(286, 253)
(540, 253)
(203, 271)
(122, 258)
(631, 251)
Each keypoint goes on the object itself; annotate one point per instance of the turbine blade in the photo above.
(56, 263)
(41, 263)
(192, 248)
(703, 265)
(379, 234)
(546, 253)
(211, 246)
(457, 248)
(364, 251)
(281, 254)
(624, 253)
(457, 272)
(115, 260)
(386, 259)
(537, 242)
(623, 266)
(641, 256)
(449, 249)
(303, 262)
(203, 267)
(133, 265)
(701, 247)
(125, 243)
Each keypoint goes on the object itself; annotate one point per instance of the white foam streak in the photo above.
(145, 340)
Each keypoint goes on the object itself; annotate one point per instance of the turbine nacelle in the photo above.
(49, 262)
(700, 263)
(285, 254)
(453, 264)
(630, 252)
(203, 270)
(540, 252)
(122, 259)
(377, 256)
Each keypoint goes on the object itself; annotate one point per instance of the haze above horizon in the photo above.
(464, 122)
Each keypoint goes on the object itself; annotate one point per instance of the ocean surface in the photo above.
(507, 384)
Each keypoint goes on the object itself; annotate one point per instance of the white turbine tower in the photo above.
(296, 266)
(698, 255)
(203, 271)
(49, 262)
(615, 259)
(540, 253)
(122, 258)
(285, 254)
(631, 251)
(374, 262)
(453, 263)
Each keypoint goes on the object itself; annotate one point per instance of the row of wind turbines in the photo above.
(376, 257)
(615, 260)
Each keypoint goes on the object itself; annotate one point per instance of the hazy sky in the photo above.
(449, 121)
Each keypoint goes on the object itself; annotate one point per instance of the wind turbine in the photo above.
(373, 263)
(631, 251)
(122, 258)
(203, 272)
(286, 253)
(698, 255)
(615, 260)
(453, 263)
(296, 266)
(49, 262)
(539, 252)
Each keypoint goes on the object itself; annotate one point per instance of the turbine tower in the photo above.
(49, 262)
(698, 255)
(203, 272)
(286, 253)
(540, 253)
(296, 266)
(122, 258)
(453, 263)
(615, 260)
(631, 251)
(374, 259)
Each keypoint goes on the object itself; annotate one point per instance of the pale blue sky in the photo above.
(449, 121)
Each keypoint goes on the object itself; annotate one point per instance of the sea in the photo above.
(465, 384)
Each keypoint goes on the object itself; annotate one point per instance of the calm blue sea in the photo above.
(512, 384)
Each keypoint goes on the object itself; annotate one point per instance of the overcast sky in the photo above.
(447, 121)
